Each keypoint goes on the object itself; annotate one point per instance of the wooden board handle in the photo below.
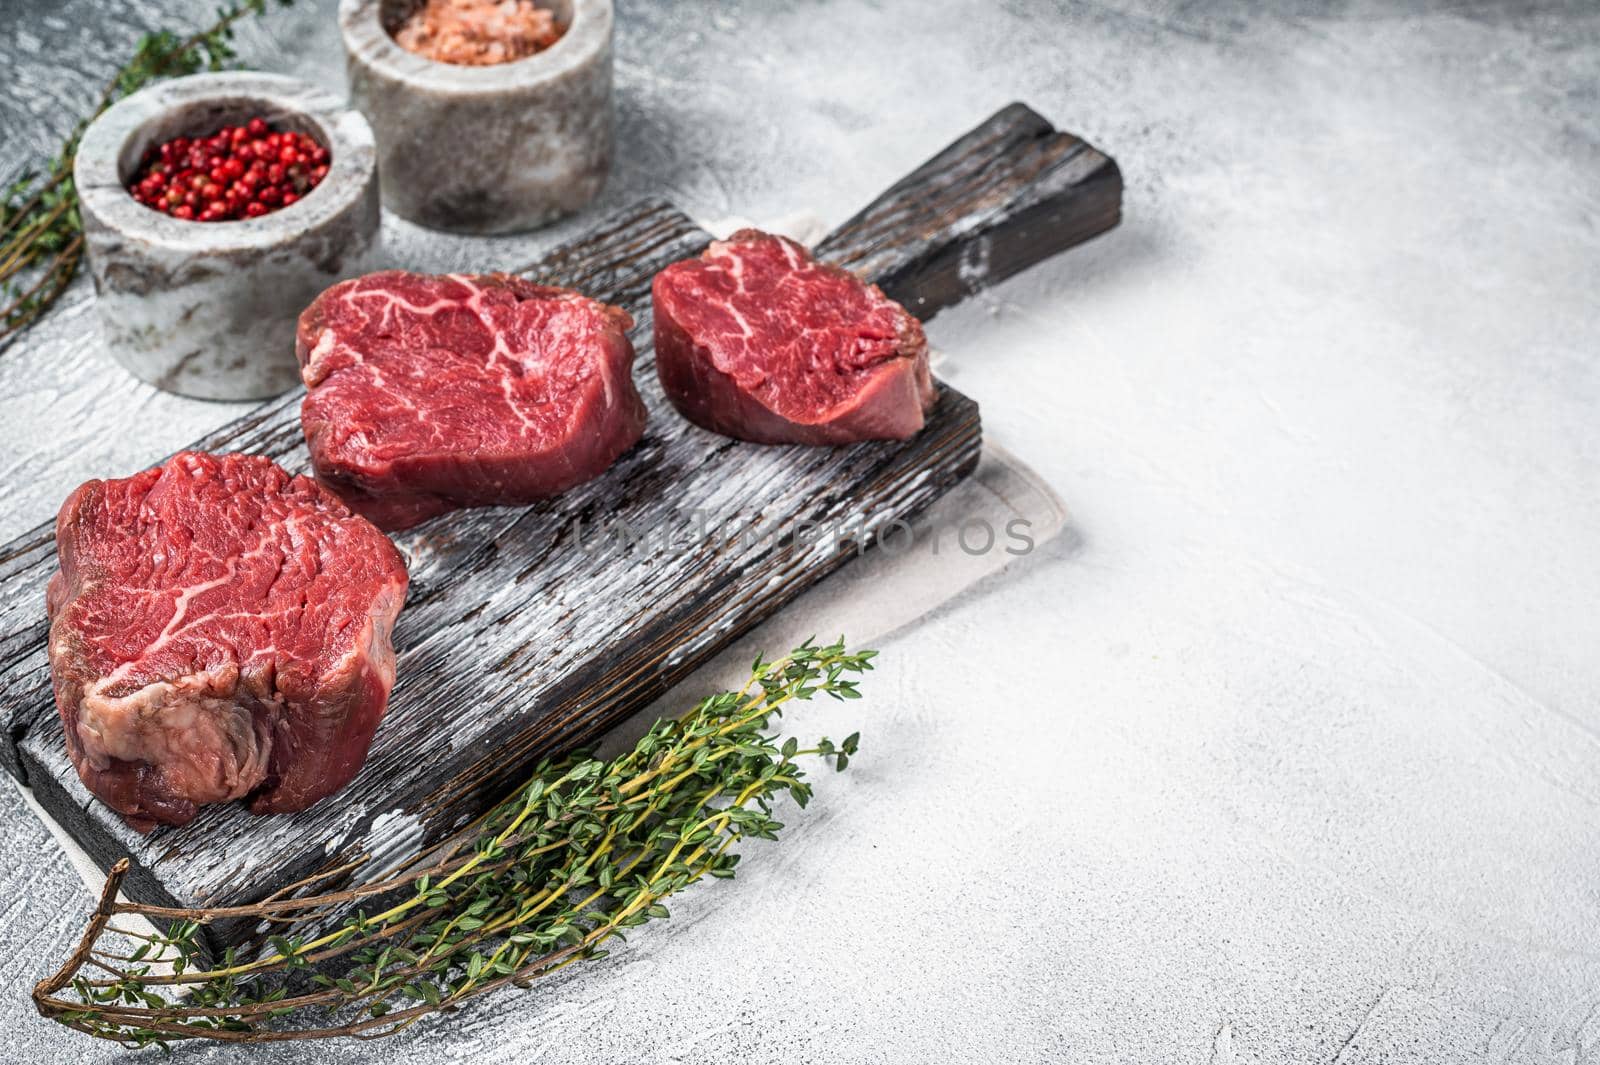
(1009, 194)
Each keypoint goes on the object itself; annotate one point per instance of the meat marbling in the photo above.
(757, 340)
(426, 393)
(219, 630)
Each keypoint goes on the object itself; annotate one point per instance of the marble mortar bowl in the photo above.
(208, 309)
(485, 149)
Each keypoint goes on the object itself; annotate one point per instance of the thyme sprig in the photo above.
(41, 230)
(586, 850)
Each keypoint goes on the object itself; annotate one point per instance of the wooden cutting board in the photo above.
(530, 631)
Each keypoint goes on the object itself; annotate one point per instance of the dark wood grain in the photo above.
(1009, 194)
(523, 636)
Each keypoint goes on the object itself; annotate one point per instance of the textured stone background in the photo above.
(1292, 753)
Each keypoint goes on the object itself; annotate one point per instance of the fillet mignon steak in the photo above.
(426, 393)
(219, 630)
(757, 340)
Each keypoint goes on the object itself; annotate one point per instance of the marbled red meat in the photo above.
(757, 340)
(426, 393)
(219, 630)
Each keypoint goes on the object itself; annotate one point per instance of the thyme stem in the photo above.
(580, 854)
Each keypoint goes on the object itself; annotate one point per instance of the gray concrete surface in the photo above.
(1292, 753)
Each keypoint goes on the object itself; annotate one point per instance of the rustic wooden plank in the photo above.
(25, 567)
(521, 638)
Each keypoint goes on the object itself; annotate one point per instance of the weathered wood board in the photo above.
(528, 631)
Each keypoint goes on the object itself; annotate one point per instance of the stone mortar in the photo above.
(492, 149)
(208, 309)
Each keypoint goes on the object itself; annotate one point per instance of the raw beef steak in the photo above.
(426, 393)
(219, 630)
(755, 339)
